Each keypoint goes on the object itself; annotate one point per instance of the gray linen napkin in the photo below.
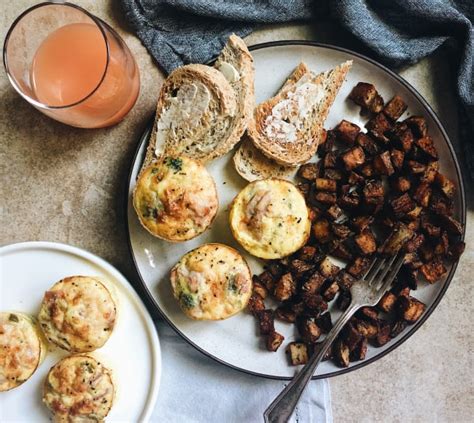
(398, 31)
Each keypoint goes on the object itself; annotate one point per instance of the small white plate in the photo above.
(27, 270)
(234, 341)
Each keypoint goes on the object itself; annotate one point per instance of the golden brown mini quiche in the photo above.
(79, 389)
(175, 199)
(269, 218)
(22, 349)
(212, 282)
(78, 313)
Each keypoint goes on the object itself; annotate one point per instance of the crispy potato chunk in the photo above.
(353, 158)
(298, 352)
(285, 288)
(410, 309)
(347, 131)
(395, 108)
(274, 340)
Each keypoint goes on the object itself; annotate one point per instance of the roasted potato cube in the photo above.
(366, 328)
(330, 291)
(368, 313)
(349, 201)
(387, 302)
(347, 132)
(441, 205)
(350, 336)
(363, 94)
(455, 250)
(255, 304)
(274, 340)
(422, 194)
(446, 185)
(354, 178)
(275, 269)
(361, 223)
(285, 288)
(360, 351)
(326, 197)
(410, 309)
(343, 300)
(430, 172)
(377, 105)
(307, 253)
(340, 353)
(397, 239)
(397, 157)
(322, 230)
(358, 267)
(415, 168)
(325, 185)
(340, 230)
(285, 313)
(365, 242)
(401, 183)
(309, 330)
(345, 280)
(429, 228)
(368, 144)
(333, 174)
(415, 243)
(383, 334)
(299, 267)
(324, 322)
(334, 212)
(314, 304)
(259, 288)
(367, 170)
(309, 171)
(330, 160)
(395, 108)
(304, 187)
(267, 280)
(433, 271)
(401, 137)
(402, 205)
(442, 246)
(314, 283)
(298, 352)
(426, 145)
(328, 269)
(397, 327)
(378, 126)
(339, 249)
(383, 164)
(450, 224)
(353, 158)
(373, 188)
(265, 322)
(418, 125)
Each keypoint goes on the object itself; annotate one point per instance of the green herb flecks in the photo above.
(174, 163)
(232, 285)
(187, 301)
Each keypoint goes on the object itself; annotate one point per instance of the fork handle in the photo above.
(281, 409)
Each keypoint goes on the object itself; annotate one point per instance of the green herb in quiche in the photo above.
(187, 301)
(174, 163)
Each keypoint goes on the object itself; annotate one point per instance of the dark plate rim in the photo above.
(155, 310)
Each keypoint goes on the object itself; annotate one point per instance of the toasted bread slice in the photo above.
(287, 128)
(195, 108)
(253, 165)
(236, 64)
(203, 111)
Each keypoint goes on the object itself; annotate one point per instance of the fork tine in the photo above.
(375, 266)
(381, 275)
(393, 273)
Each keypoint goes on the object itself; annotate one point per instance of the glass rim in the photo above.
(12, 80)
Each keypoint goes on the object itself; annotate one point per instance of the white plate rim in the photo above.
(100, 262)
(143, 289)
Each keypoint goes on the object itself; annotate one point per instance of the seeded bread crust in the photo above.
(300, 151)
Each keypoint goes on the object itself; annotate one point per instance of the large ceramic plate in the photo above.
(234, 341)
(27, 270)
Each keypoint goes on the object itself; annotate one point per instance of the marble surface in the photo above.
(68, 185)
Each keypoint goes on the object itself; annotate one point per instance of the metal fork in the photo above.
(366, 292)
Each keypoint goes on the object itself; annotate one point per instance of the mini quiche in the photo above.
(212, 282)
(79, 389)
(78, 314)
(269, 218)
(175, 199)
(22, 349)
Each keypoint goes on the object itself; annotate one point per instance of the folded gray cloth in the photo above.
(398, 31)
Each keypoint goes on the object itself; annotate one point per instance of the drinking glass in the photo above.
(71, 65)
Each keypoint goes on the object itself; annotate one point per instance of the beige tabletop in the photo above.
(68, 185)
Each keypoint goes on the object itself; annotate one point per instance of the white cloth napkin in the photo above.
(196, 389)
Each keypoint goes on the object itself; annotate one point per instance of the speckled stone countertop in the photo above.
(68, 185)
